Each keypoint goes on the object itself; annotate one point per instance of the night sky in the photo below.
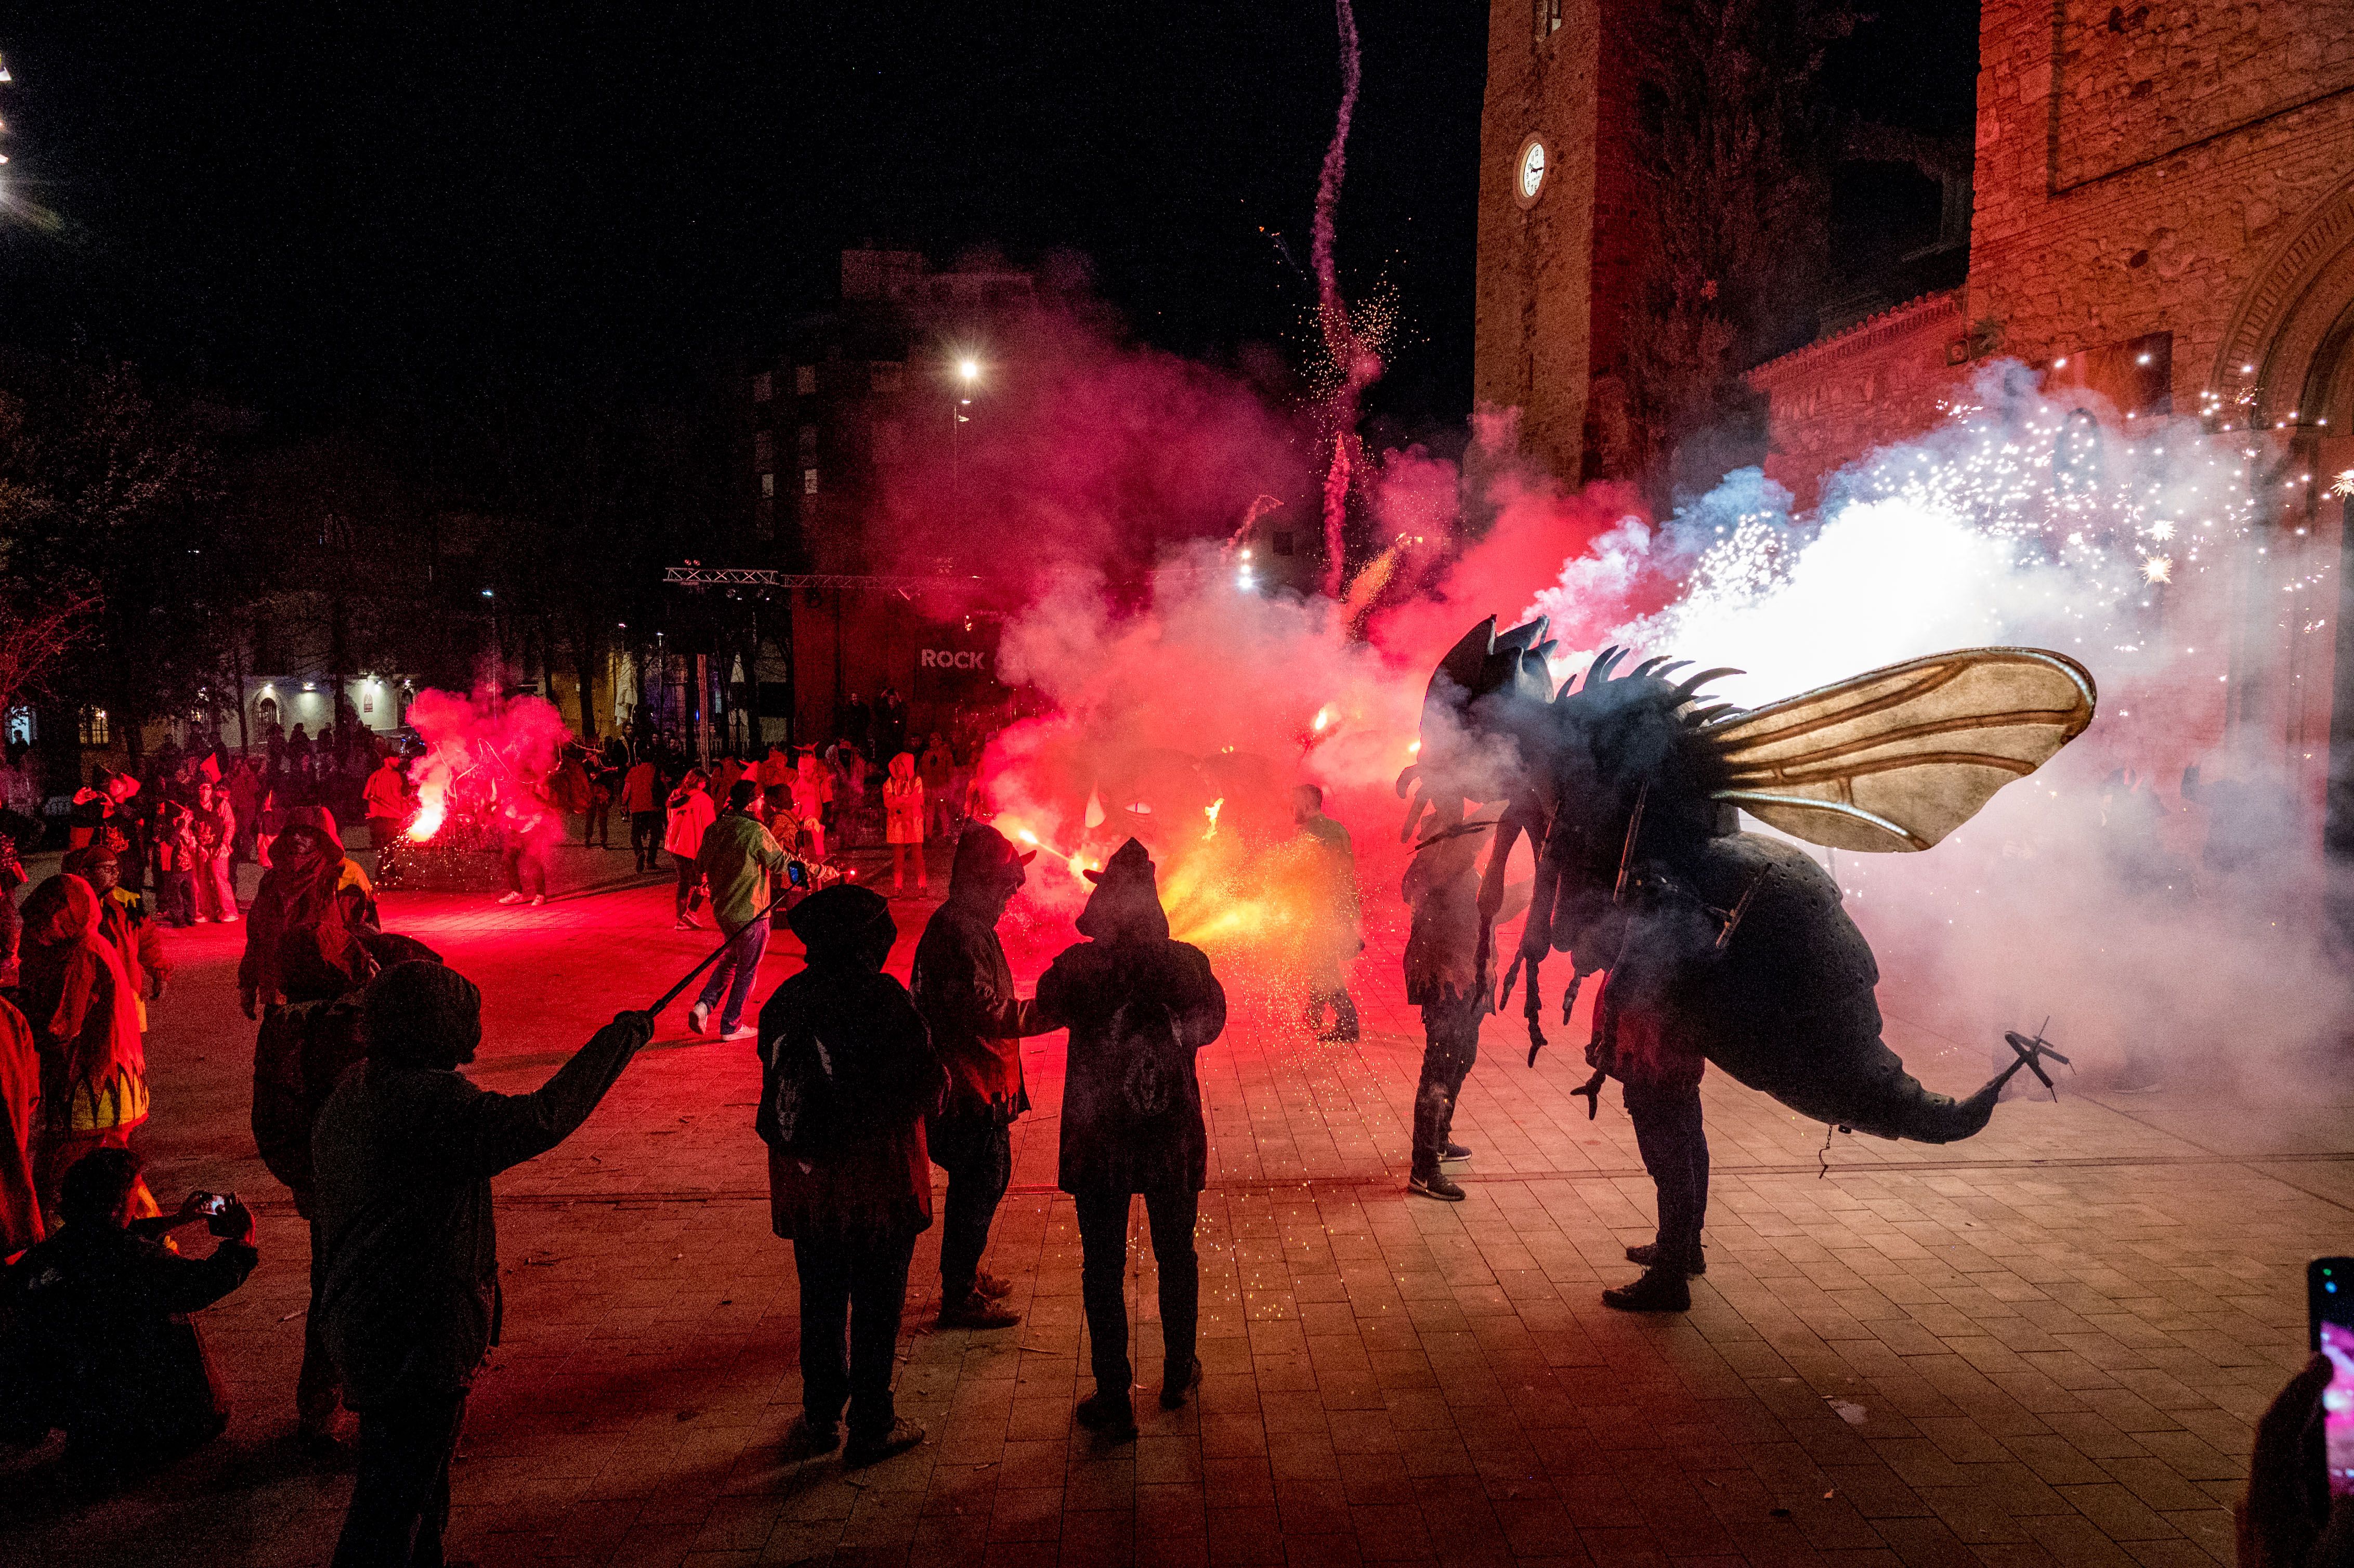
(327, 209)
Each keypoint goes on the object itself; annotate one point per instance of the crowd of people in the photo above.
(361, 1110)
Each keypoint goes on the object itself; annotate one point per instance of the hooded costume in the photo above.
(123, 919)
(404, 1249)
(79, 1001)
(847, 1077)
(1138, 1005)
(964, 990)
(903, 802)
(964, 987)
(312, 893)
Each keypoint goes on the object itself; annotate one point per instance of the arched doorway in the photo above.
(2286, 363)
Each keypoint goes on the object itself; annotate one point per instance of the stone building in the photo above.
(1560, 211)
(2162, 223)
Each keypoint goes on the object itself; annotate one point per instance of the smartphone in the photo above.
(796, 874)
(208, 1203)
(2329, 1310)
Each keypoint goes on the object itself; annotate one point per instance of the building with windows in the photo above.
(892, 372)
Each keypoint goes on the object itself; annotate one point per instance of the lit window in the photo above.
(764, 449)
(809, 482)
(805, 379)
(768, 485)
(1548, 16)
(760, 387)
(95, 730)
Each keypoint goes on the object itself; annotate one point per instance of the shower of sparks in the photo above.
(2157, 569)
(2343, 485)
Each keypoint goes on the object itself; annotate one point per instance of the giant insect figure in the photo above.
(1627, 786)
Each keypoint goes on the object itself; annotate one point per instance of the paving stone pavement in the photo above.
(2045, 1345)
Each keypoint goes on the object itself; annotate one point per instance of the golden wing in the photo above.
(1898, 759)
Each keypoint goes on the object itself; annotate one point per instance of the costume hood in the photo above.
(61, 910)
(902, 767)
(985, 860)
(321, 821)
(846, 925)
(1126, 904)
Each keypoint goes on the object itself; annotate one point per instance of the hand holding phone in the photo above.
(2329, 1317)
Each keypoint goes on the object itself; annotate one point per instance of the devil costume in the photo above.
(1138, 1005)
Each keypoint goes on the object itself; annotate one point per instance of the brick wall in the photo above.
(1877, 382)
(2137, 163)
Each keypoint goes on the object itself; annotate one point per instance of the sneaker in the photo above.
(988, 1285)
(1108, 1412)
(863, 1451)
(510, 897)
(1454, 1154)
(689, 923)
(1648, 1254)
(698, 1015)
(229, 919)
(537, 899)
(974, 1310)
(1435, 1185)
(1659, 1290)
(741, 1032)
(203, 920)
(1178, 1381)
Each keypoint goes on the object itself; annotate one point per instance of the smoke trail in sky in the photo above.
(1354, 365)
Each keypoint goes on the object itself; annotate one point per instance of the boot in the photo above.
(1177, 1382)
(1110, 1413)
(990, 1285)
(974, 1310)
(1648, 1254)
(1659, 1290)
(863, 1451)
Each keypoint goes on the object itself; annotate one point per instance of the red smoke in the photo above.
(481, 751)
(1081, 450)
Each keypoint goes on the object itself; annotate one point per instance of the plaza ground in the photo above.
(2045, 1345)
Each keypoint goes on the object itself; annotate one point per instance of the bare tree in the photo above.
(1740, 147)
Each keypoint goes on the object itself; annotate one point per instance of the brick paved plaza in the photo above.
(2042, 1346)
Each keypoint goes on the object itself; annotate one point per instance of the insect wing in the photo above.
(1897, 759)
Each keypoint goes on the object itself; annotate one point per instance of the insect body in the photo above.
(1733, 942)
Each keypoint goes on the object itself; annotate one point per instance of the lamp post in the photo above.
(968, 371)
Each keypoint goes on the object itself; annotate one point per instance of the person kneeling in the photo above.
(102, 1337)
(847, 1079)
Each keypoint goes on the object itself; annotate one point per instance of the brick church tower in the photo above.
(1561, 208)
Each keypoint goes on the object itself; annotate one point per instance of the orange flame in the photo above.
(431, 814)
(1211, 811)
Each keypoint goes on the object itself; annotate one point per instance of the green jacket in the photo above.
(738, 856)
